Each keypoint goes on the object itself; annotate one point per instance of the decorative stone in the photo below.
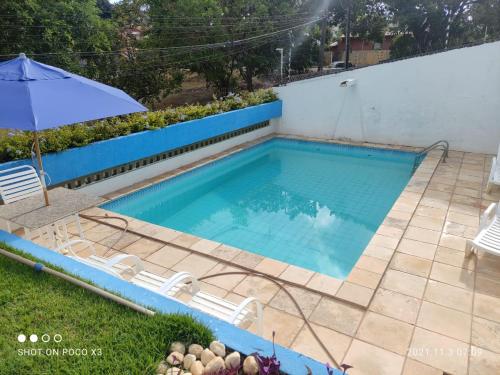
(174, 371)
(218, 348)
(250, 366)
(197, 368)
(215, 366)
(196, 350)
(233, 360)
(178, 347)
(189, 359)
(206, 356)
(162, 368)
(175, 358)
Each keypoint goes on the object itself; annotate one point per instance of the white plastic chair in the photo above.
(19, 183)
(170, 287)
(494, 178)
(488, 237)
(235, 314)
(114, 265)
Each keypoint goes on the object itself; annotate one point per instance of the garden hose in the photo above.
(247, 273)
(42, 268)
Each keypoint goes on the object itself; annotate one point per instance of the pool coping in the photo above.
(359, 287)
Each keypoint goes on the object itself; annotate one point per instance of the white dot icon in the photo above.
(33, 338)
(21, 338)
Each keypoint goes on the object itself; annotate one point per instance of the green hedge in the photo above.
(17, 145)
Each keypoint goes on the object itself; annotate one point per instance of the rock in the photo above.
(175, 358)
(178, 347)
(250, 366)
(196, 350)
(174, 371)
(197, 368)
(233, 360)
(214, 366)
(206, 356)
(162, 368)
(218, 348)
(189, 359)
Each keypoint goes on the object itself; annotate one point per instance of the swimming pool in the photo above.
(313, 205)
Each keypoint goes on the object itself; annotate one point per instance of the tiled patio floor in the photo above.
(432, 312)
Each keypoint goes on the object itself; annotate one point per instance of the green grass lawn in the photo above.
(129, 342)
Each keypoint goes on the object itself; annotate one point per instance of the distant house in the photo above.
(363, 52)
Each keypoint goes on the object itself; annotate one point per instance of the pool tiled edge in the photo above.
(360, 286)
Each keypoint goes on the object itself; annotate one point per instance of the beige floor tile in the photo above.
(371, 264)
(432, 212)
(395, 305)
(384, 241)
(307, 301)
(390, 231)
(324, 283)
(388, 333)
(454, 257)
(154, 268)
(487, 307)
(337, 315)
(486, 334)
(439, 351)
(271, 267)
(197, 265)
(411, 264)
(120, 240)
(185, 240)
(404, 283)
(488, 264)
(247, 259)
(168, 256)
(285, 326)
(435, 203)
(364, 278)
(464, 209)
(337, 343)
(143, 247)
(474, 193)
(297, 275)
(484, 362)
(422, 235)
(355, 293)
(452, 275)
(225, 252)
(227, 282)
(453, 242)
(166, 234)
(252, 286)
(417, 248)
(488, 284)
(427, 222)
(445, 321)
(449, 296)
(204, 246)
(378, 252)
(370, 359)
(100, 232)
(413, 367)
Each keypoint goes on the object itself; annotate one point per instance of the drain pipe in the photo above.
(40, 267)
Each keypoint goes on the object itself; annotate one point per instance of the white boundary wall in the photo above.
(453, 95)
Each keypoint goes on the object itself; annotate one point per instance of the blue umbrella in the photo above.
(35, 96)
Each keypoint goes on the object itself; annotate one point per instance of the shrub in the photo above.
(17, 145)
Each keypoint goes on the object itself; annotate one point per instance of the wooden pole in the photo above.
(40, 167)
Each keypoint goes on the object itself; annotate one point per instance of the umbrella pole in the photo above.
(42, 173)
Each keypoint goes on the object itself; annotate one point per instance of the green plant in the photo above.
(17, 145)
(125, 342)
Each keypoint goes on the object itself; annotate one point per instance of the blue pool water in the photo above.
(314, 205)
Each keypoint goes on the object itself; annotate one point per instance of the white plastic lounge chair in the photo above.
(494, 178)
(212, 305)
(488, 237)
(114, 265)
(19, 183)
(170, 287)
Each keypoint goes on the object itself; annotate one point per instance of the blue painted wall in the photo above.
(243, 341)
(82, 161)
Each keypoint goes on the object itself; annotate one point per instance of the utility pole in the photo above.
(321, 56)
(280, 50)
(290, 35)
(347, 36)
